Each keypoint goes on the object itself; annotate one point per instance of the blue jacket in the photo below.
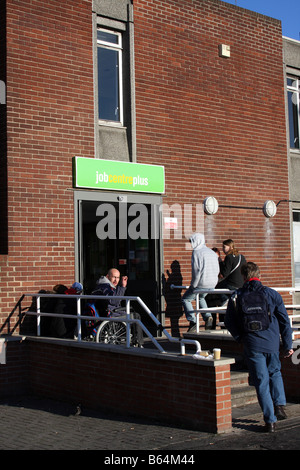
(267, 341)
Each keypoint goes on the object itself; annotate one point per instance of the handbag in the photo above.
(235, 266)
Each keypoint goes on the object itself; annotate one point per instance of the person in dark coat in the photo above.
(261, 347)
(230, 268)
(113, 285)
(64, 327)
(230, 272)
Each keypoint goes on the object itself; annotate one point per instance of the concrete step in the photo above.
(241, 392)
(239, 378)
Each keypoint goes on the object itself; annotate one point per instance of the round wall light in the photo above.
(210, 205)
(269, 209)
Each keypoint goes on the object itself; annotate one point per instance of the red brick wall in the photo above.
(134, 384)
(50, 119)
(217, 124)
(14, 374)
(151, 387)
(3, 162)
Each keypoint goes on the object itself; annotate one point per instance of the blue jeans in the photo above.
(265, 372)
(224, 297)
(187, 299)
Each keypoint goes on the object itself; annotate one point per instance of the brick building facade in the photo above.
(215, 123)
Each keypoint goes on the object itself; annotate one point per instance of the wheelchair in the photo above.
(111, 332)
(106, 331)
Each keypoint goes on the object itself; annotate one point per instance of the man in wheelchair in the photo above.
(113, 285)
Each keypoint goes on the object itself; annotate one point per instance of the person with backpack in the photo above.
(256, 316)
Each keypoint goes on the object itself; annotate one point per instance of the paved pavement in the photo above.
(31, 423)
(34, 423)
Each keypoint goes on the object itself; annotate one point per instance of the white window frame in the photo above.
(296, 250)
(116, 47)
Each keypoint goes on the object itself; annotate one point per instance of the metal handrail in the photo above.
(208, 309)
(222, 309)
(127, 320)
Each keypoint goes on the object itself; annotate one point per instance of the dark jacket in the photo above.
(232, 278)
(109, 307)
(267, 341)
(64, 327)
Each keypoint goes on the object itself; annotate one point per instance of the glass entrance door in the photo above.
(122, 235)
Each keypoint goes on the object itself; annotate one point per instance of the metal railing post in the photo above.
(182, 341)
(197, 315)
(38, 317)
(78, 319)
(128, 326)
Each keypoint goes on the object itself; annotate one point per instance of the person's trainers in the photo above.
(209, 323)
(280, 413)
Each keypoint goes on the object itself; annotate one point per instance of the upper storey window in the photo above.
(109, 63)
(293, 90)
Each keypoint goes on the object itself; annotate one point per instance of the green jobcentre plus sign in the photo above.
(94, 173)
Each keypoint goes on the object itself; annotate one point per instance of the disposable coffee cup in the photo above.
(217, 353)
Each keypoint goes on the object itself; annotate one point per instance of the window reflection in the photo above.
(293, 111)
(296, 236)
(109, 75)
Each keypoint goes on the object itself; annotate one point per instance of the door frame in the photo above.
(117, 197)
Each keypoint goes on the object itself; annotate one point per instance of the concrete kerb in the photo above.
(144, 352)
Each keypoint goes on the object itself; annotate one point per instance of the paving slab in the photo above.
(32, 423)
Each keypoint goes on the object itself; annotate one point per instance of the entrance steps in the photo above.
(241, 392)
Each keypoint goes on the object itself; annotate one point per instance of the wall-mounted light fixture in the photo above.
(224, 50)
(269, 209)
(210, 205)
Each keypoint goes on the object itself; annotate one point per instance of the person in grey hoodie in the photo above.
(205, 270)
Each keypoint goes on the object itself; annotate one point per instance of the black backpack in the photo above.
(253, 310)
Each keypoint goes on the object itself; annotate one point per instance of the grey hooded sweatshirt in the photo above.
(205, 263)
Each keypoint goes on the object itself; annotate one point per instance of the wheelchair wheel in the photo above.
(111, 332)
